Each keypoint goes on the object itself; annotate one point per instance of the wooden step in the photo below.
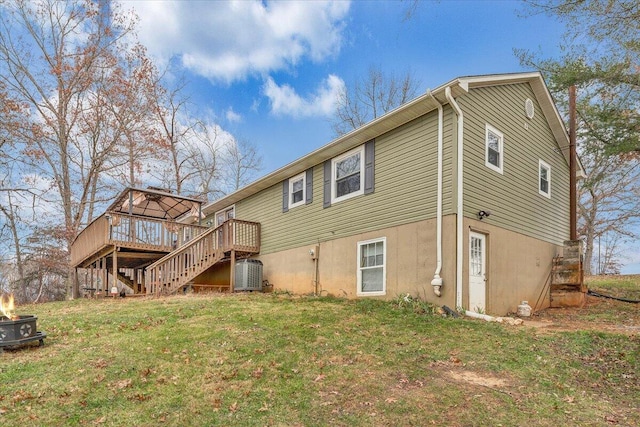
(567, 299)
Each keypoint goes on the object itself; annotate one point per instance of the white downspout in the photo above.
(459, 210)
(437, 280)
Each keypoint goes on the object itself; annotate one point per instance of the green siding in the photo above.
(405, 192)
(513, 197)
(406, 179)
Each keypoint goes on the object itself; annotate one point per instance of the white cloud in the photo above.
(285, 101)
(232, 116)
(230, 40)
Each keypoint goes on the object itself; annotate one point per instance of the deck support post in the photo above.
(114, 267)
(232, 279)
(103, 277)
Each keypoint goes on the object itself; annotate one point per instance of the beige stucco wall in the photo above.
(518, 267)
(410, 264)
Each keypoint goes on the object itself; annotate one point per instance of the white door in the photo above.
(477, 272)
(225, 214)
(221, 217)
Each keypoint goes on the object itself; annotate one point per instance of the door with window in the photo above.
(477, 272)
(221, 217)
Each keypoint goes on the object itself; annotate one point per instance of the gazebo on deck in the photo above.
(144, 241)
(139, 228)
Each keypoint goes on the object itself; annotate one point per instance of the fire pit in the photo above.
(19, 330)
(16, 330)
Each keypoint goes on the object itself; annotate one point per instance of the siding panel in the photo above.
(513, 197)
(405, 191)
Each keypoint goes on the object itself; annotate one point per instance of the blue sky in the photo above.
(268, 72)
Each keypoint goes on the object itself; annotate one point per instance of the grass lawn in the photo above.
(278, 360)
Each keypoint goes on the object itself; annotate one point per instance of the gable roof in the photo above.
(411, 110)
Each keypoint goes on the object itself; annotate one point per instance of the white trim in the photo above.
(358, 150)
(482, 238)
(300, 177)
(498, 168)
(403, 114)
(359, 292)
(437, 281)
(543, 164)
(459, 198)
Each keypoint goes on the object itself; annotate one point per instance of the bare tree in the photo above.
(609, 205)
(241, 164)
(174, 132)
(376, 94)
(11, 222)
(53, 57)
(205, 162)
(114, 130)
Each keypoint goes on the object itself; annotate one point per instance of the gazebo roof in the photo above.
(154, 203)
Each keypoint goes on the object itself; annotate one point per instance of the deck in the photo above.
(140, 240)
(151, 252)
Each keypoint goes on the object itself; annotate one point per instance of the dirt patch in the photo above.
(474, 378)
(458, 372)
(597, 314)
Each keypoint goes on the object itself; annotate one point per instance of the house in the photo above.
(460, 197)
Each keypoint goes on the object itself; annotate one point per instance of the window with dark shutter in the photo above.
(309, 183)
(285, 195)
(369, 166)
(326, 185)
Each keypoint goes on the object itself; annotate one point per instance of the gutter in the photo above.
(459, 204)
(437, 280)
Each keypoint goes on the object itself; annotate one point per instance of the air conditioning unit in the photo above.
(248, 275)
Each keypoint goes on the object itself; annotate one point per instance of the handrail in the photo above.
(185, 263)
(131, 231)
(185, 247)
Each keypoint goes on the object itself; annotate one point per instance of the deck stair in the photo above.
(125, 277)
(567, 277)
(234, 238)
(132, 278)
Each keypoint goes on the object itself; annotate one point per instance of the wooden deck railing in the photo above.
(177, 268)
(90, 240)
(134, 232)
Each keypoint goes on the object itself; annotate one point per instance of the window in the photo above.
(544, 179)
(347, 172)
(349, 175)
(297, 186)
(494, 149)
(371, 267)
(298, 190)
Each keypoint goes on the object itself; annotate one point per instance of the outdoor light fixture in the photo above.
(483, 214)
